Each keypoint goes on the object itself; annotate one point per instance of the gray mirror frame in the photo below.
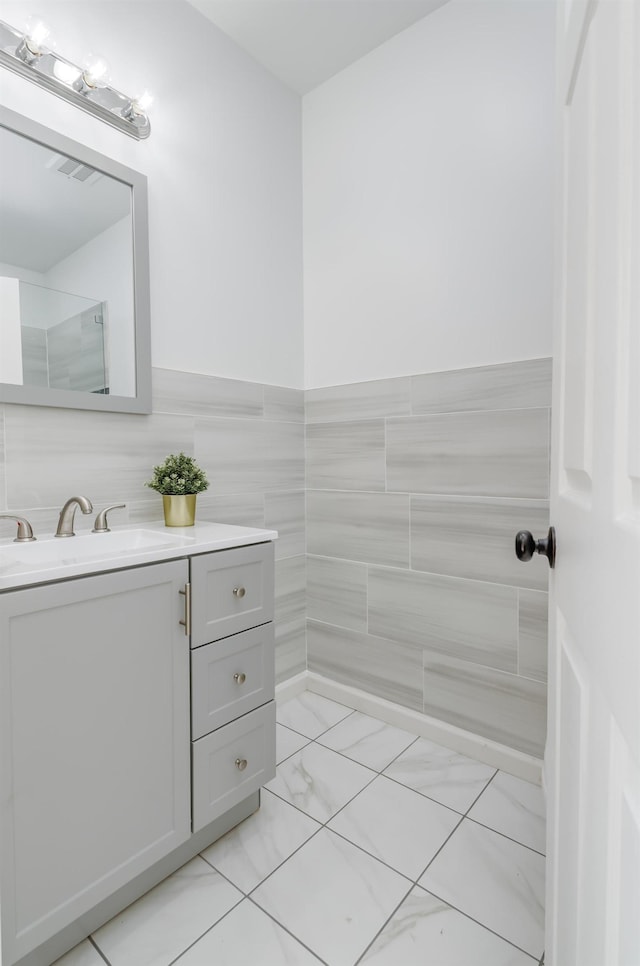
(71, 399)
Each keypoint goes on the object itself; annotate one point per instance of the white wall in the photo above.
(224, 169)
(428, 198)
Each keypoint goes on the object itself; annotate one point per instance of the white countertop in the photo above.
(57, 558)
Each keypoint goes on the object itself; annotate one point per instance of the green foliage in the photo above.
(178, 475)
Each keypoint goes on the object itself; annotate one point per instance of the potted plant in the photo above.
(179, 479)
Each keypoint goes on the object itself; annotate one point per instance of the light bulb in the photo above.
(96, 71)
(36, 32)
(30, 47)
(140, 105)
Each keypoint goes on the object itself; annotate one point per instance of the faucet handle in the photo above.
(25, 532)
(101, 525)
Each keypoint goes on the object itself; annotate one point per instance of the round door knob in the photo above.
(241, 764)
(240, 677)
(526, 546)
(239, 591)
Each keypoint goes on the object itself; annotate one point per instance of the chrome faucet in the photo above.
(65, 522)
(25, 533)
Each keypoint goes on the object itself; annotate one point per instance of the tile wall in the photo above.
(416, 487)
(248, 437)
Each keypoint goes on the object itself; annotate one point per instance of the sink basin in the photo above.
(55, 553)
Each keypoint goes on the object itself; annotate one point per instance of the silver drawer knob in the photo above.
(240, 677)
(241, 764)
(239, 591)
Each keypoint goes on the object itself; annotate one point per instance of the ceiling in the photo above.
(305, 42)
(45, 214)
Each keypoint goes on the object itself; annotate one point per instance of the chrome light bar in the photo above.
(25, 55)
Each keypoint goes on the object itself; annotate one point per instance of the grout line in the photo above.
(98, 950)
(510, 838)
(478, 923)
(384, 926)
(282, 926)
(481, 792)
(212, 926)
(426, 573)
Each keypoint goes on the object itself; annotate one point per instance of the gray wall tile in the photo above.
(54, 453)
(337, 592)
(200, 395)
(514, 385)
(533, 634)
(464, 618)
(371, 527)
(503, 707)
(385, 668)
(284, 512)
(230, 452)
(359, 400)
(289, 618)
(346, 456)
(239, 509)
(474, 537)
(475, 454)
(282, 446)
(284, 404)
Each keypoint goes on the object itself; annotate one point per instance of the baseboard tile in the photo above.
(465, 742)
(291, 687)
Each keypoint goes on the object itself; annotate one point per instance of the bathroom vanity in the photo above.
(138, 720)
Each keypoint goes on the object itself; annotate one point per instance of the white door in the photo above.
(593, 752)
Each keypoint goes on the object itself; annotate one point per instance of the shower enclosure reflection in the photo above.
(57, 340)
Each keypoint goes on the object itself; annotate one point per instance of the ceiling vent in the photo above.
(74, 169)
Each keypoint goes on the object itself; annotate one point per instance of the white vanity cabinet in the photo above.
(132, 735)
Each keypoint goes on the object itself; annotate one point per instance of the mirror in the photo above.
(74, 277)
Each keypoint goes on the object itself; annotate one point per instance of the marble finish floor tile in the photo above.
(396, 825)
(440, 774)
(346, 898)
(319, 781)
(310, 714)
(82, 955)
(514, 807)
(161, 924)
(253, 849)
(427, 930)
(496, 881)
(247, 937)
(367, 740)
(288, 742)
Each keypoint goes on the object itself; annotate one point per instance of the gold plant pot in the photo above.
(179, 511)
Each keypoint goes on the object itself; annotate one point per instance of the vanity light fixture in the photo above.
(88, 87)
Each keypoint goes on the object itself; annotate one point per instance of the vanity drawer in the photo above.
(232, 763)
(231, 591)
(230, 678)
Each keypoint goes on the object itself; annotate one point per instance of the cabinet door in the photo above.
(231, 677)
(232, 763)
(231, 591)
(94, 693)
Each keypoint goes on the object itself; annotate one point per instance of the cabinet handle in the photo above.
(241, 764)
(240, 677)
(186, 623)
(239, 592)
